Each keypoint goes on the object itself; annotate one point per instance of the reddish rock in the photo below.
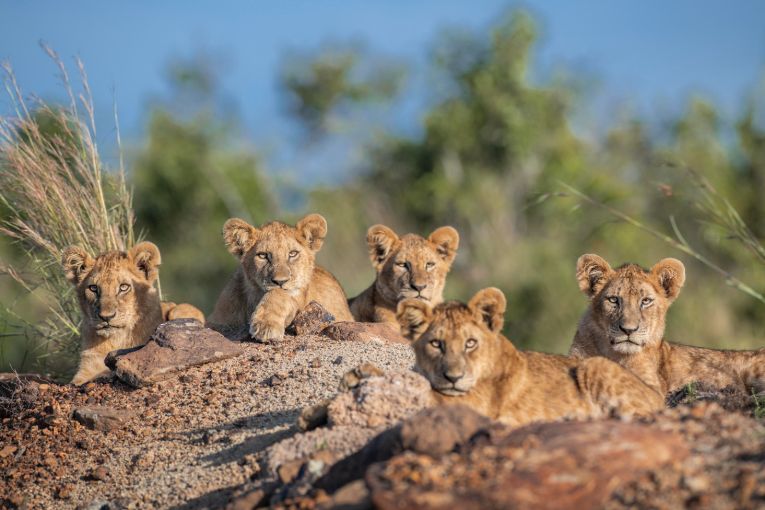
(455, 424)
(174, 346)
(311, 320)
(104, 419)
(554, 465)
(364, 332)
(312, 417)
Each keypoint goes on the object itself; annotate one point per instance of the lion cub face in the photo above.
(112, 287)
(412, 266)
(276, 255)
(456, 345)
(629, 304)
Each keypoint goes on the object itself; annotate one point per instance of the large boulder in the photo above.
(175, 345)
(551, 465)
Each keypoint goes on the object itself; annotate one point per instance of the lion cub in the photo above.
(119, 303)
(467, 360)
(407, 267)
(625, 323)
(277, 277)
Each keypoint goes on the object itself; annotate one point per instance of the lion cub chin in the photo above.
(410, 266)
(120, 305)
(467, 360)
(277, 277)
(625, 323)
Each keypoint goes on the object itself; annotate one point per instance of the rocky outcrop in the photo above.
(551, 465)
(175, 345)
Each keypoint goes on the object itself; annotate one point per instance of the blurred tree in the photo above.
(320, 86)
(189, 179)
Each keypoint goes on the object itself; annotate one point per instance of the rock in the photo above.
(100, 474)
(455, 424)
(310, 417)
(364, 332)
(382, 400)
(8, 450)
(289, 471)
(175, 345)
(311, 320)
(65, 491)
(354, 496)
(248, 500)
(104, 419)
(550, 465)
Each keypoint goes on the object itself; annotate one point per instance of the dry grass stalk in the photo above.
(56, 193)
(720, 210)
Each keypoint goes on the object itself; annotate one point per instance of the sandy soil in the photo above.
(192, 439)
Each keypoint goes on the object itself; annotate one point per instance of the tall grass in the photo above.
(56, 192)
(716, 210)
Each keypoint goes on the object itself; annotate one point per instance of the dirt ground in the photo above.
(216, 433)
(191, 439)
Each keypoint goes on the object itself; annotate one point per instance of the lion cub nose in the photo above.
(418, 286)
(628, 330)
(453, 377)
(106, 317)
(279, 281)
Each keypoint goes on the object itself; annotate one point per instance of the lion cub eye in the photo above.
(262, 255)
(436, 344)
(430, 265)
(471, 343)
(93, 289)
(646, 301)
(124, 287)
(613, 299)
(401, 264)
(293, 254)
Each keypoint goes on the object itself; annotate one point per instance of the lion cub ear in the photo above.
(380, 242)
(592, 272)
(447, 240)
(77, 264)
(414, 316)
(671, 275)
(490, 305)
(146, 257)
(238, 236)
(313, 230)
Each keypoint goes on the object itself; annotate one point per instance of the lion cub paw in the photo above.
(266, 332)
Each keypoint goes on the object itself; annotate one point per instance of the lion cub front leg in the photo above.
(615, 390)
(276, 310)
(91, 367)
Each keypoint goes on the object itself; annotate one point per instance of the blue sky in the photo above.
(650, 54)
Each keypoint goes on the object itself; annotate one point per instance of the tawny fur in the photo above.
(626, 319)
(120, 305)
(407, 267)
(461, 351)
(277, 277)
(172, 311)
